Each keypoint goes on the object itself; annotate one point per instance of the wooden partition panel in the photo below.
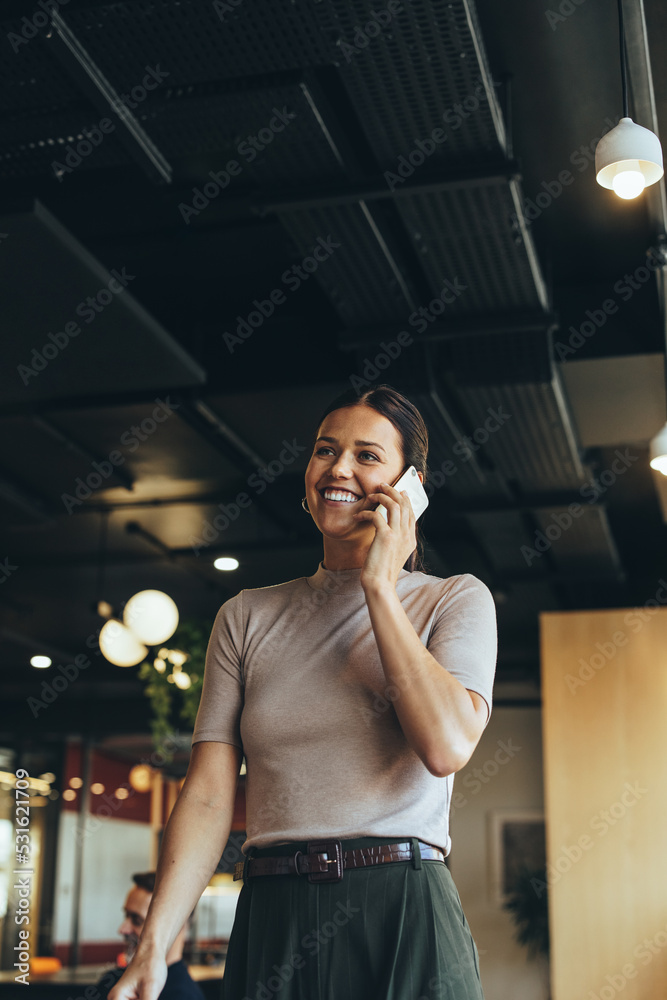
(604, 691)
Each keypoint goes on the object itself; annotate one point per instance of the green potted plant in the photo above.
(527, 903)
(173, 679)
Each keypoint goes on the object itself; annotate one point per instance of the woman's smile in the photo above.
(339, 497)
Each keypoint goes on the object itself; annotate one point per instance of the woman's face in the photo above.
(356, 450)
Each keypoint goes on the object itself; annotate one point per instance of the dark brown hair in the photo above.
(145, 880)
(409, 423)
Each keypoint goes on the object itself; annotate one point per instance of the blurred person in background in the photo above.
(179, 984)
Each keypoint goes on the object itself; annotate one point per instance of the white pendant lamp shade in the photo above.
(120, 646)
(658, 451)
(628, 159)
(152, 616)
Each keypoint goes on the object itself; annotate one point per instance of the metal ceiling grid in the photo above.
(493, 358)
(468, 481)
(502, 533)
(192, 43)
(535, 446)
(586, 546)
(31, 80)
(213, 123)
(30, 145)
(462, 481)
(47, 469)
(467, 232)
(361, 281)
(47, 282)
(428, 58)
(219, 123)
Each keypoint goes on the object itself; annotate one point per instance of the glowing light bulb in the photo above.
(226, 563)
(658, 452)
(628, 184)
(660, 464)
(141, 778)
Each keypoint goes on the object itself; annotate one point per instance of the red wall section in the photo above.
(113, 774)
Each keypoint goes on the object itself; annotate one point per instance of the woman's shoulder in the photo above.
(254, 596)
(448, 584)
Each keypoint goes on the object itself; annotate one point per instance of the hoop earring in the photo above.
(304, 504)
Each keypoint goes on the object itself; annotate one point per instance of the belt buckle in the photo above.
(241, 870)
(334, 849)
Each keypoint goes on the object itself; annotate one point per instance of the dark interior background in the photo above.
(522, 94)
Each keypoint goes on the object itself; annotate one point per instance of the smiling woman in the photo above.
(345, 891)
(361, 441)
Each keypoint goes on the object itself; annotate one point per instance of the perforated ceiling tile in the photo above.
(586, 543)
(190, 41)
(535, 443)
(467, 232)
(32, 145)
(254, 128)
(405, 75)
(485, 359)
(29, 78)
(357, 277)
(502, 533)
(233, 126)
(452, 469)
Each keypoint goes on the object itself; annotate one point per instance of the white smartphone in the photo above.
(411, 483)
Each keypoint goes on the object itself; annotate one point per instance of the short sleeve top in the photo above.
(294, 678)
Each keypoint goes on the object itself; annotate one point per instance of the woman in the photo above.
(355, 695)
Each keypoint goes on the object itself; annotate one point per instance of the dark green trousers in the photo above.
(392, 932)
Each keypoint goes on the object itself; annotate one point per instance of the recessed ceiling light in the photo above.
(226, 563)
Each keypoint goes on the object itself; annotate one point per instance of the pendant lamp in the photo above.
(629, 158)
(658, 451)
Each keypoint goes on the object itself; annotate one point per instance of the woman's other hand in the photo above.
(143, 979)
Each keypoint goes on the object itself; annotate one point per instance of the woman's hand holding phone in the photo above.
(395, 538)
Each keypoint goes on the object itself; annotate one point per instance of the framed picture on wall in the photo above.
(516, 839)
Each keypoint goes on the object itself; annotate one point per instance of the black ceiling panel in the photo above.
(84, 331)
(395, 257)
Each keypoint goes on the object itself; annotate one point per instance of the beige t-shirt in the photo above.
(294, 677)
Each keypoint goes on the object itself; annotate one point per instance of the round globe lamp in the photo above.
(152, 616)
(120, 646)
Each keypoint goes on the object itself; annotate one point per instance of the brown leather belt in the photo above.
(325, 860)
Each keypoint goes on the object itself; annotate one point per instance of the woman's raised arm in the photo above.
(194, 840)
